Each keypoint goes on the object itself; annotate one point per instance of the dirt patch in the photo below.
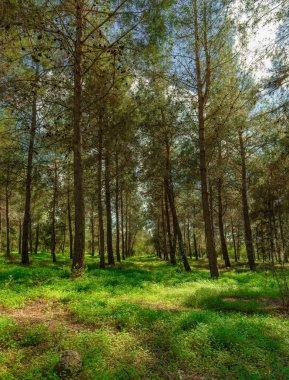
(159, 306)
(52, 312)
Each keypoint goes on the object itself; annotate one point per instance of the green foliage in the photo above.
(34, 335)
(144, 319)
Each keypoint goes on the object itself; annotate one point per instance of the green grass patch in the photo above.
(143, 319)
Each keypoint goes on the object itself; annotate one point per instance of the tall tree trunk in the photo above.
(27, 216)
(92, 231)
(122, 224)
(20, 237)
(164, 231)
(220, 212)
(171, 244)
(30, 237)
(108, 211)
(234, 241)
(171, 200)
(129, 234)
(79, 221)
(53, 216)
(189, 239)
(195, 246)
(7, 197)
(99, 201)
(284, 248)
(221, 227)
(126, 223)
(1, 226)
(36, 239)
(69, 225)
(63, 240)
(202, 98)
(211, 203)
(245, 206)
(194, 235)
(117, 208)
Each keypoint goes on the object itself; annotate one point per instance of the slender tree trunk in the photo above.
(27, 216)
(171, 244)
(108, 211)
(99, 202)
(195, 247)
(126, 224)
(122, 224)
(238, 243)
(158, 244)
(69, 225)
(36, 239)
(194, 236)
(246, 217)
(211, 203)
(20, 237)
(30, 237)
(53, 224)
(92, 231)
(79, 211)
(117, 209)
(221, 228)
(164, 231)
(284, 248)
(276, 235)
(202, 98)
(1, 227)
(129, 234)
(234, 241)
(7, 198)
(171, 200)
(220, 214)
(63, 240)
(189, 239)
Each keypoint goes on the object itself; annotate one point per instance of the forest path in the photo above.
(51, 312)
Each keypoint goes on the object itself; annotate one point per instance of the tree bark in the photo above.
(69, 225)
(224, 247)
(79, 211)
(99, 201)
(27, 215)
(36, 239)
(7, 198)
(108, 211)
(92, 231)
(245, 206)
(194, 235)
(189, 239)
(171, 244)
(164, 231)
(234, 241)
(1, 226)
(117, 209)
(122, 224)
(30, 237)
(202, 98)
(20, 237)
(53, 215)
(171, 200)
(126, 224)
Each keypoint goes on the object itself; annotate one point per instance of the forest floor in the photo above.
(142, 319)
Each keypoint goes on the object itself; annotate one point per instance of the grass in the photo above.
(143, 319)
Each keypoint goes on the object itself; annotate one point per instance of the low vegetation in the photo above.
(142, 319)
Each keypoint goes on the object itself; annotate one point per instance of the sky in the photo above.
(261, 40)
